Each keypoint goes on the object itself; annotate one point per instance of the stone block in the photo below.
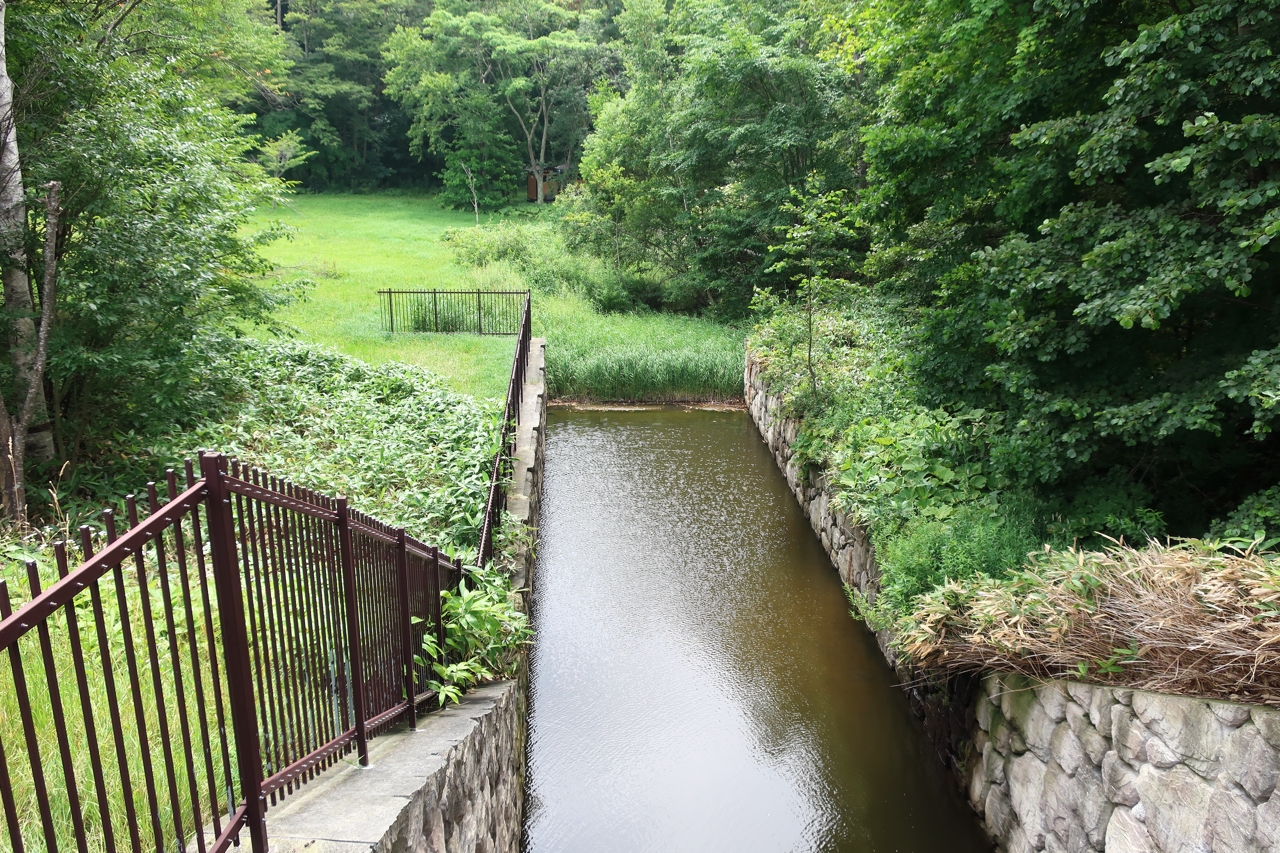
(1119, 781)
(979, 786)
(1267, 826)
(1053, 696)
(1037, 727)
(993, 764)
(1126, 834)
(1187, 726)
(1229, 713)
(1231, 822)
(1159, 754)
(998, 811)
(1075, 810)
(1100, 706)
(1129, 736)
(1067, 750)
(1251, 762)
(1026, 787)
(1082, 694)
(1094, 743)
(982, 712)
(1268, 722)
(1177, 803)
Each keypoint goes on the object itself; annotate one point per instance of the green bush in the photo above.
(396, 441)
(537, 253)
(925, 553)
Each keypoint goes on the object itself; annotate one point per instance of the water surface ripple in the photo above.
(698, 683)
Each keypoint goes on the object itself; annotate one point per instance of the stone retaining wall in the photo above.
(456, 785)
(1060, 766)
(945, 708)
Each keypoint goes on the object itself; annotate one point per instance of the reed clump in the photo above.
(1194, 618)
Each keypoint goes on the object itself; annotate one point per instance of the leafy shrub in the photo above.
(536, 252)
(392, 437)
(1257, 518)
(990, 541)
(484, 633)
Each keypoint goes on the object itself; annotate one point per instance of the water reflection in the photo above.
(698, 684)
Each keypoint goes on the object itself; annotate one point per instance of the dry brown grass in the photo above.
(1187, 618)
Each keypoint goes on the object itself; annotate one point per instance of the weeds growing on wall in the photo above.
(1194, 618)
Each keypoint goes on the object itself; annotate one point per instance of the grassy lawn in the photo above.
(351, 246)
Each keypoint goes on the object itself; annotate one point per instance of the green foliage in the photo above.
(1256, 519)
(725, 111)
(484, 634)
(401, 446)
(537, 253)
(1079, 199)
(927, 552)
(332, 93)
(488, 86)
(156, 268)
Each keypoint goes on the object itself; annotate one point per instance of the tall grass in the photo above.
(638, 357)
(115, 648)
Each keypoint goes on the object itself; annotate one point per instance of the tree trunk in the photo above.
(13, 258)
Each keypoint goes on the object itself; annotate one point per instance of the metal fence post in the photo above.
(391, 310)
(438, 604)
(353, 629)
(479, 315)
(235, 646)
(406, 628)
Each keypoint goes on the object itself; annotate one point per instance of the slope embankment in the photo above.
(1059, 765)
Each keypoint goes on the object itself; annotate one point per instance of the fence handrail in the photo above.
(273, 552)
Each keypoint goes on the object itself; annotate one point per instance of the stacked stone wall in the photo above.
(1060, 766)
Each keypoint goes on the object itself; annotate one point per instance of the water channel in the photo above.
(697, 681)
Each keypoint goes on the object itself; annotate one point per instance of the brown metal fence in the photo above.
(477, 312)
(211, 657)
(502, 460)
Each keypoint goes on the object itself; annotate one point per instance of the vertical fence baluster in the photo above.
(157, 682)
(179, 685)
(406, 627)
(29, 729)
(59, 717)
(235, 647)
(193, 646)
(6, 789)
(257, 565)
(135, 685)
(86, 703)
(197, 544)
(113, 703)
(353, 628)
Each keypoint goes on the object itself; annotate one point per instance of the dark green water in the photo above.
(698, 683)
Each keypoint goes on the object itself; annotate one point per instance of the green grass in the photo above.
(351, 246)
(645, 357)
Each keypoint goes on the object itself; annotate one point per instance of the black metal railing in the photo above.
(205, 660)
(500, 471)
(477, 312)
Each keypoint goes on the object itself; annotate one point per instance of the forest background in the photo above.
(1010, 260)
